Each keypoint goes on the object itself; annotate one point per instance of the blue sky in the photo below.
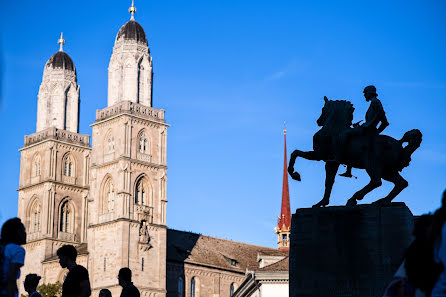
(228, 74)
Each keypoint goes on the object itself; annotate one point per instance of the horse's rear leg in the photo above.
(330, 174)
(375, 182)
(400, 184)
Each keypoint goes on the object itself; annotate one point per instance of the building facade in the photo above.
(107, 196)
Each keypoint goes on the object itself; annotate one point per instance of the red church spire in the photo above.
(284, 224)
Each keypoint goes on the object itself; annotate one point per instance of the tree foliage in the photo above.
(50, 290)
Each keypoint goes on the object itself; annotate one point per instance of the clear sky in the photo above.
(228, 74)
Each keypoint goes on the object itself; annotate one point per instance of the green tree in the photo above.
(50, 290)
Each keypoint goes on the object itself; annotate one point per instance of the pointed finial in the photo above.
(284, 128)
(61, 41)
(132, 10)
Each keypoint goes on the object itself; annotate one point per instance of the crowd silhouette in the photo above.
(421, 273)
(76, 283)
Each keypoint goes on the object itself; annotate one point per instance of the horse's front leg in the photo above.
(331, 168)
(311, 155)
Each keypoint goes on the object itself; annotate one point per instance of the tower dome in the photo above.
(132, 31)
(60, 60)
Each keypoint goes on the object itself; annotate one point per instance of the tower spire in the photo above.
(61, 41)
(284, 223)
(132, 10)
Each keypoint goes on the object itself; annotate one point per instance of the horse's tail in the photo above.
(413, 139)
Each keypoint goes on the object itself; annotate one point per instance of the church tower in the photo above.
(284, 224)
(58, 99)
(54, 166)
(130, 70)
(127, 209)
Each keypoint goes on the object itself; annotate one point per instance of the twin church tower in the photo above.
(109, 199)
(113, 193)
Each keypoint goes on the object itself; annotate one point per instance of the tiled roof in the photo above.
(210, 251)
(273, 252)
(282, 265)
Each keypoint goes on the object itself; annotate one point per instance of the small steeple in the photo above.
(284, 220)
(61, 41)
(132, 10)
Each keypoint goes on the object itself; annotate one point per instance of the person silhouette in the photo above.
(438, 237)
(105, 293)
(31, 282)
(125, 281)
(375, 115)
(76, 283)
(13, 235)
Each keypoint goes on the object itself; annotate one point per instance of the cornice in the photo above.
(54, 140)
(134, 161)
(57, 184)
(125, 220)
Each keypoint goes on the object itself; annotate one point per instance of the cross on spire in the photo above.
(132, 10)
(61, 41)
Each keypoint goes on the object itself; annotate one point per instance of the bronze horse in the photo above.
(381, 156)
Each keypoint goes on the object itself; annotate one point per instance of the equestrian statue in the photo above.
(359, 146)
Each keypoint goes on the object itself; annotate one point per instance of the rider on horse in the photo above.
(374, 115)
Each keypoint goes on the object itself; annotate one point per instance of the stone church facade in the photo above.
(109, 199)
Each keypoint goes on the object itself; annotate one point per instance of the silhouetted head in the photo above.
(443, 199)
(422, 226)
(105, 293)
(439, 220)
(13, 231)
(31, 282)
(370, 92)
(124, 276)
(67, 255)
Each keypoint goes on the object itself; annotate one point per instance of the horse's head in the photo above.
(336, 113)
(325, 113)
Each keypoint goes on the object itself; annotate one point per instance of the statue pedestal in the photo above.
(339, 251)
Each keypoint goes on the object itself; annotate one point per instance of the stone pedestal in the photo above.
(349, 252)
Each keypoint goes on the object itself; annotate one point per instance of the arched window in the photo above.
(143, 191)
(192, 287)
(141, 194)
(143, 146)
(231, 290)
(109, 196)
(36, 166)
(180, 286)
(68, 165)
(35, 217)
(66, 218)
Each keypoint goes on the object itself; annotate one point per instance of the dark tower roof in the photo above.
(132, 31)
(61, 60)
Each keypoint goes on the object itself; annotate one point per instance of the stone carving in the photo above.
(143, 213)
(144, 236)
(382, 156)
